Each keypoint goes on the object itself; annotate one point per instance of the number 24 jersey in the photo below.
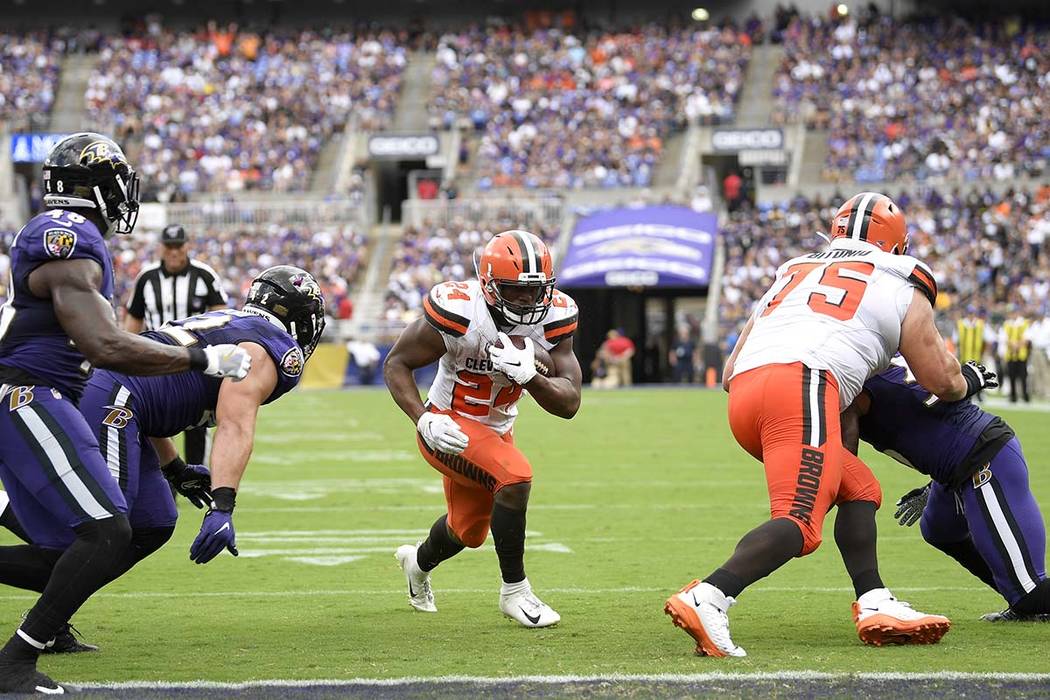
(466, 382)
(840, 310)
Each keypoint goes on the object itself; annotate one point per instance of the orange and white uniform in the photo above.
(830, 320)
(483, 401)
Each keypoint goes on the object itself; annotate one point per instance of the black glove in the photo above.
(978, 378)
(911, 505)
(191, 480)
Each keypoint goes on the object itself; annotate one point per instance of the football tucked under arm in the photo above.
(541, 358)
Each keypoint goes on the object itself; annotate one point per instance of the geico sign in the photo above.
(403, 146)
(747, 139)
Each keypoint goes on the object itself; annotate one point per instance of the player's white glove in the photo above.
(442, 433)
(227, 361)
(519, 365)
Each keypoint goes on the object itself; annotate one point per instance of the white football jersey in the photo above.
(466, 382)
(839, 310)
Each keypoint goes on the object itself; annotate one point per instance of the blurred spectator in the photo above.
(365, 356)
(617, 351)
(565, 110)
(215, 119)
(683, 358)
(918, 100)
(29, 67)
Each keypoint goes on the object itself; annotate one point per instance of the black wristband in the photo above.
(173, 468)
(198, 359)
(974, 383)
(224, 498)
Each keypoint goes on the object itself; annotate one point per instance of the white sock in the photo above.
(509, 589)
(872, 598)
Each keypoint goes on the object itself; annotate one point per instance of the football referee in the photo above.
(175, 288)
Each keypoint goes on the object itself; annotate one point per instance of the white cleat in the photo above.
(420, 595)
(701, 610)
(882, 619)
(520, 604)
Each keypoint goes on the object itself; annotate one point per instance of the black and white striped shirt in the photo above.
(160, 297)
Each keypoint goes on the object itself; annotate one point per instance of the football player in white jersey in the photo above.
(831, 320)
(465, 430)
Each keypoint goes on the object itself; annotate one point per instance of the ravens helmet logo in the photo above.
(100, 152)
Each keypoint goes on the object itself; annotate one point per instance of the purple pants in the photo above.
(995, 508)
(51, 466)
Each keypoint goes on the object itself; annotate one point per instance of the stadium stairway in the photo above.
(756, 98)
(411, 114)
(368, 299)
(669, 168)
(324, 177)
(814, 155)
(68, 113)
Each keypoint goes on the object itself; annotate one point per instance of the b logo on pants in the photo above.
(20, 396)
(982, 477)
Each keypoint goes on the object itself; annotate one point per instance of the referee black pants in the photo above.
(1017, 370)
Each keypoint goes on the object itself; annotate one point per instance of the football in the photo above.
(544, 364)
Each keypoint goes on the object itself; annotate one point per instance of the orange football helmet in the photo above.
(516, 259)
(873, 218)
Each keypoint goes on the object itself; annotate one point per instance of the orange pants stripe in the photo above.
(787, 417)
(473, 477)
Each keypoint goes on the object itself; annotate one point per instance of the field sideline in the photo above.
(642, 492)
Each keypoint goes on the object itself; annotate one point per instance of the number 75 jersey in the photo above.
(839, 310)
(466, 382)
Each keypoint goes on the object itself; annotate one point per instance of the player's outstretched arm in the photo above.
(418, 346)
(88, 319)
(235, 413)
(927, 354)
(560, 393)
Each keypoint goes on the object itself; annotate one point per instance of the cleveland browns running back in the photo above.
(465, 429)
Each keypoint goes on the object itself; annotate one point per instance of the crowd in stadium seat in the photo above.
(29, 68)
(223, 110)
(988, 251)
(561, 109)
(334, 256)
(430, 254)
(919, 100)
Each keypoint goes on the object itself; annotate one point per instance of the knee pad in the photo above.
(514, 496)
(114, 531)
(148, 540)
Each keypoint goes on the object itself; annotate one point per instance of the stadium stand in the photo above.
(221, 110)
(559, 109)
(29, 69)
(335, 256)
(911, 100)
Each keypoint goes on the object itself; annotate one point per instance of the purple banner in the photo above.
(668, 246)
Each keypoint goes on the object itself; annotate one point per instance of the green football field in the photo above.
(642, 492)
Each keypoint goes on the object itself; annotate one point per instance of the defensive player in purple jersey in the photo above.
(978, 508)
(134, 417)
(58, 323)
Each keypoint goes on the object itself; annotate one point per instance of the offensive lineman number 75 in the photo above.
(853, 288)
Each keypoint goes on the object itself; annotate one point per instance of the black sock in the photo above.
(758, 554)
(8, 520)
(84, 567)
(27, 566)
(965, 552)
(508, 533)
(18, 650)
(727, 582)
(856, 535)
(1036, 601)
(438, 546)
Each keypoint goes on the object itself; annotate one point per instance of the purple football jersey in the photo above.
(34, 349)
(169, 404)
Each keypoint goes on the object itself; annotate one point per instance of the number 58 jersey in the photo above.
(839, 310)
(466, 382)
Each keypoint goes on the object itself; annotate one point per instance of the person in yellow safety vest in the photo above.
(972, 338)
(1016, 342)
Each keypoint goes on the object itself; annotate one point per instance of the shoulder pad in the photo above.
(562, 318)
(447, 306)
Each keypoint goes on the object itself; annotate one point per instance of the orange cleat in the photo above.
(700, 610)
(886, 620)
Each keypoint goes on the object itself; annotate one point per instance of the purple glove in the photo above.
(217, 531)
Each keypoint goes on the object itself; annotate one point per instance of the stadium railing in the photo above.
(525, 209)
(307, 212)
